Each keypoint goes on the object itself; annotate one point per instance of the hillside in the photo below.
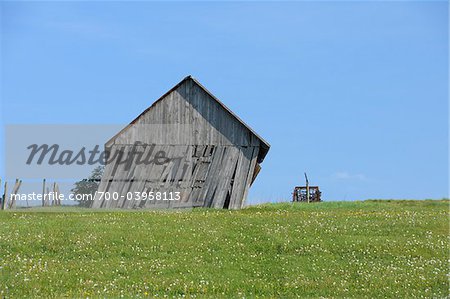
(393, 249)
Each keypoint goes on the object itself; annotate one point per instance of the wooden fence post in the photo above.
(12, 198)
(47, 202)
(56, 194)
(43, 193)
(4, 198)
(16, 190)
(307, 188)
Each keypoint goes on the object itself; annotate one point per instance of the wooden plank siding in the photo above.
(212, 153)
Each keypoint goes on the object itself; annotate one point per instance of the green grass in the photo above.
(370, 249)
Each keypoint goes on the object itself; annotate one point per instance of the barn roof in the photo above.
(264, 144)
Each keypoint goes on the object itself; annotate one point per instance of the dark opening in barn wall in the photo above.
(213, 156)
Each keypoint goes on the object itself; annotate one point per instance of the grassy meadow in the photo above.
(368, 249)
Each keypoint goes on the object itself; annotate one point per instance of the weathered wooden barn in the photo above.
(211, 156)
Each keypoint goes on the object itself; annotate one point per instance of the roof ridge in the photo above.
(190, 77)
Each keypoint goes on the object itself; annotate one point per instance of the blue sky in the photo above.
(353, 93)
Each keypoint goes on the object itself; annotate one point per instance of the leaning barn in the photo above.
(200, 152)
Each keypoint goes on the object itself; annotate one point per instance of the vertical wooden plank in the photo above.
(228, 167)
(249, 176)
(240, 178)
(208, 191)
